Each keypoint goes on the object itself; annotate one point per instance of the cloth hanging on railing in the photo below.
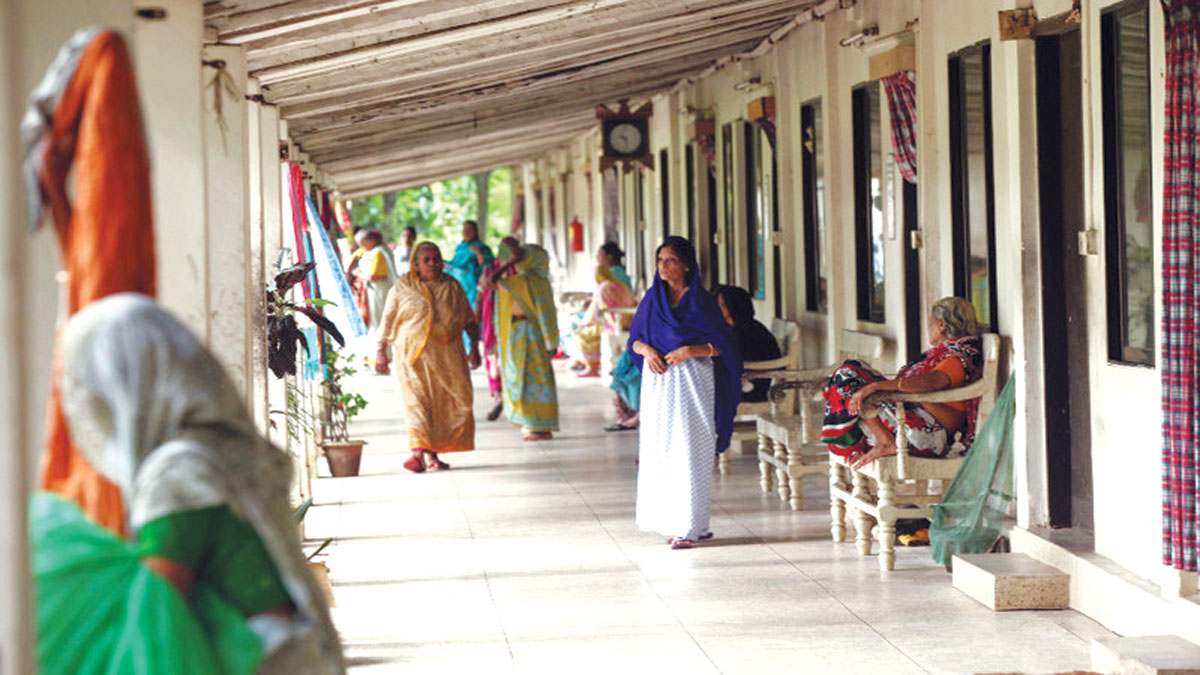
(84, 121)
(901, 89)
(1181, 294)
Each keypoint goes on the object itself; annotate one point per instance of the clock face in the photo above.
(625, 138)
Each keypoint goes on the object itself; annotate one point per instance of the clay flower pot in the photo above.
(343, 457)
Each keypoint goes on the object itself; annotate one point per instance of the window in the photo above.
(813, 186)
(973, 221)
(1129, 204)
(645, 270)
(868, 203)
(730, 202)
(758, 209)
(689, 161)
(664, 189)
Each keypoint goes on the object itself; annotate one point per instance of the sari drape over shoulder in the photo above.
(425, 320)
(696, 320)
(526, 343)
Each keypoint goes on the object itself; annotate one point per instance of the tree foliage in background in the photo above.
(438, 210)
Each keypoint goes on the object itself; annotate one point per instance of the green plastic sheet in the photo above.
(100, 611)
(971, 514)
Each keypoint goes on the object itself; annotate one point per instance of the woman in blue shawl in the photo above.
(691, 387)
(470, 259)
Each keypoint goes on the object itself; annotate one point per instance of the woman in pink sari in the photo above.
(487, 321)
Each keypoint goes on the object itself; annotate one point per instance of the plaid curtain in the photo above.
(1181, 293)
(901, 88)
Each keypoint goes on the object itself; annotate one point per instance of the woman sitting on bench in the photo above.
(954, 358)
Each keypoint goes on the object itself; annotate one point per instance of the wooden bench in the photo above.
(789, 439)
(877, 502)
(787, 333)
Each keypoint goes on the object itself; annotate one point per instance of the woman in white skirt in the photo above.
(691, 376)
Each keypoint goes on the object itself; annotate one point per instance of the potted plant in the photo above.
(342, 453)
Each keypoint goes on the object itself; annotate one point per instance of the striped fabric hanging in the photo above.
(1181, 294)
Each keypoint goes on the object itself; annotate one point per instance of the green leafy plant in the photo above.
(343, 405)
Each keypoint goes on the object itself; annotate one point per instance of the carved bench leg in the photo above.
(781, 475)
(764, 467)
(837, 507)
(862, 519)
(795, 474)
(887, 527)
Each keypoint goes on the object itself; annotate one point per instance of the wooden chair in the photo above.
(789, 446)
(878, 502)
(787, 333)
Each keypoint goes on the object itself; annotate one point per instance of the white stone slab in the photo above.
(1147, 655)
(1005, 581)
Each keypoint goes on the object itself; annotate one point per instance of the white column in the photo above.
(272, 216)
(256, 320)
(228, 228)
(167, 57)
(16, 653)
(30, 36)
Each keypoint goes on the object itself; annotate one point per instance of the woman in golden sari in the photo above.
(527, 328)
(426, 314)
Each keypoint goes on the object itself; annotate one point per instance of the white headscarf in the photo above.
(154, 412)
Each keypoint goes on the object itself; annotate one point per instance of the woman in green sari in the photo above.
(527, 331)
(213, 579)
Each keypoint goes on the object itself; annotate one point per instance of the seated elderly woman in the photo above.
(954, 358)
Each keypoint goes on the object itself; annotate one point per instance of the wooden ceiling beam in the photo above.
(350, 18)
(599, 53)
(599, 84)
(583, 95)
(547, 26)
(362, 157)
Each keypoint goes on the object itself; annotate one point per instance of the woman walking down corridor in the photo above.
(527, 330)
(471, 257)
(426, 313)
(373, 271)
(214, 579)
(487, 325)
(691, 386)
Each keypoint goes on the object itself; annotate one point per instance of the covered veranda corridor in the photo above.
(524, 558)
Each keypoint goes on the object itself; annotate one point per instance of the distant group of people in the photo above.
(679, 381)
(440, 318)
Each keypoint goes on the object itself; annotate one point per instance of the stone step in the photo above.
(1148, 655)
(1004, 581)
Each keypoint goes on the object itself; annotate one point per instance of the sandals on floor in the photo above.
(619, 427)
(537, 436)
(679, 543)
(436, 464)
(416, 463)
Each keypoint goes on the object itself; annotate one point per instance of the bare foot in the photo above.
(884, 449)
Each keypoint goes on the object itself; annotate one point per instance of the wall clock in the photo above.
(625, 135)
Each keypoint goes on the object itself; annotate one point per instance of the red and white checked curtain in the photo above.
(1181, 286)
(901, 89)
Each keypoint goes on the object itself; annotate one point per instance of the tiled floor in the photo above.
(524, 558)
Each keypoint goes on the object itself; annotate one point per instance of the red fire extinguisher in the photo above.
(575, 231)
